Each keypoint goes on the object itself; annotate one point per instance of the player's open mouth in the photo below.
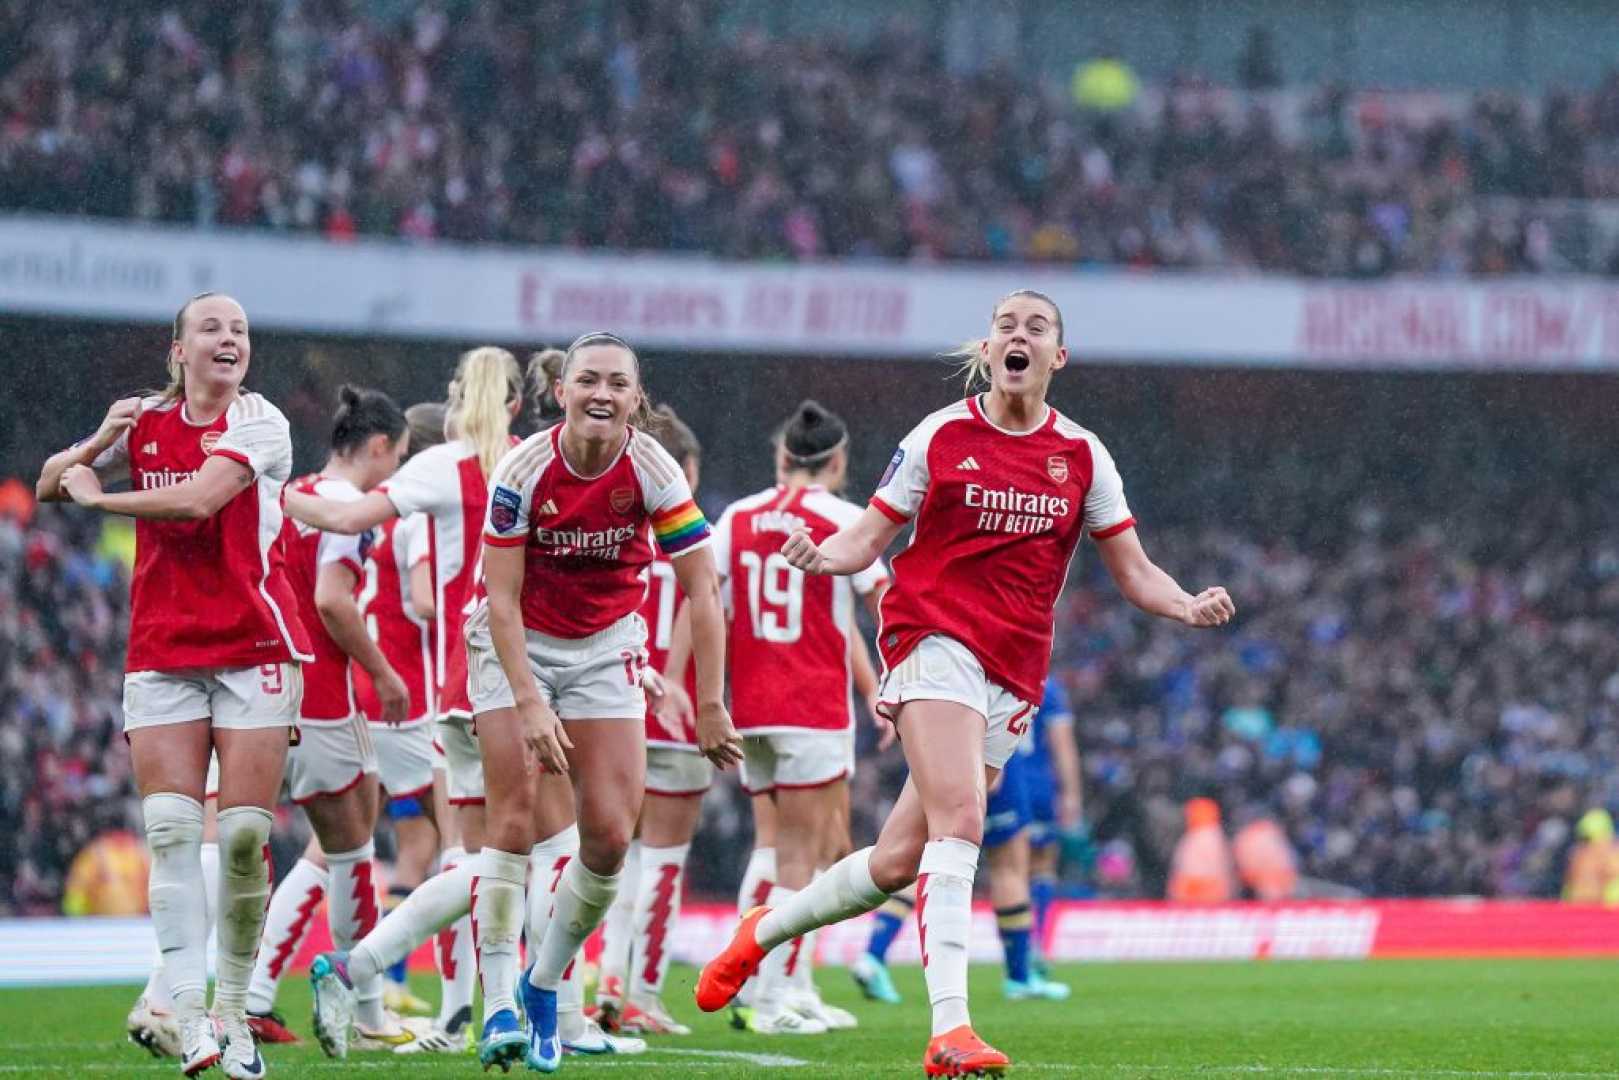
(229, 358)
(596, 413)
(1017, 360)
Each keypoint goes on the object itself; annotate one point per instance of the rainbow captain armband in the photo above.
(679, 528)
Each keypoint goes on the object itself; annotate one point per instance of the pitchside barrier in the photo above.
(89, 950)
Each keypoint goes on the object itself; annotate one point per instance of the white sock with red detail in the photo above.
(779, 965)
(582, 898)
(244, 893)
(174, 835)
(157, 983)
(432, 905)
(657, 912)
(619, 928)
(546, 861)
(286, 924)
(453, 952)
(352, 909)
(844, 891)
(497, 922)
(944, 911)
(757, 881)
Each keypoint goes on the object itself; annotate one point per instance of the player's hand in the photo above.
(543, 734)
(1070, 812)
(1211, 607)
(119, 419)
(801, 553)
(717, 737)
(671, 708)
(82, 485)
(887, 733)
(394, 697)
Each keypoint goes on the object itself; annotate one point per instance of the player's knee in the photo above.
(894, 865)
(604, 849)
(243, 832)
(172, 822)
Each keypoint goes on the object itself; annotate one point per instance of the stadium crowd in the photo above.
(653, 131)
(1422, 687)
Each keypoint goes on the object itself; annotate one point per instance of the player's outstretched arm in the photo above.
(849, 550)
(717, 737)
(1155, 592)
(219, 481)
(336, 516)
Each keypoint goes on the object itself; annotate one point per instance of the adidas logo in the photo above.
(149, 448)
(969, 464)
(547, 507)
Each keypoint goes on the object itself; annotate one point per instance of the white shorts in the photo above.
(677, 772)
(267, 696)
(793, 759)
(405, 757)
(459, 745)
(943, 669)
(330, 758)
(596, 677)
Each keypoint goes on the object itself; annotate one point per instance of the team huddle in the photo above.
(534, 654)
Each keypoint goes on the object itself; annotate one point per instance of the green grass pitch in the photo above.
(1395, 1020)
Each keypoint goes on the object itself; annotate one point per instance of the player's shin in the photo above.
(174, 835)
(944, 919)
(286, 924)
(244, 888)
(497, 921)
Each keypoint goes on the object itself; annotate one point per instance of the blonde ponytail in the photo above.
(487, 382)
(971, 367)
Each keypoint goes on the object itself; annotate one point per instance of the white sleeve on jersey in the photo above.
(411, 536)
(425, 482)
(336, 547)
(511, 490)
(870, 578)
(259, 437)
(1105, 508)
(905, 482)
(677, 530)
(722, 545)
(111, 466)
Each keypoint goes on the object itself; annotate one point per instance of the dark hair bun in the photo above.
(362, 413)
(813, 433)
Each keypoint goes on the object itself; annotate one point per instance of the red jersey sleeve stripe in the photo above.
(1113, 530)
(504, 541)
(889, 512)
(356, 568)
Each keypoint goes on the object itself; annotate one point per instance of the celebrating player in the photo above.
(636, 933)
(791, 650)
(559, 640)
(332, 772)
(999, 488)
(215, 648)
(447, 483)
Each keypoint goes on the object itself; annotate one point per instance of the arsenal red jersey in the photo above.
(998, 516)
(587, 543)
(406, 641)
(446, 483)
(212, 593)
(328, 680)
(790, 634)
(663, 597)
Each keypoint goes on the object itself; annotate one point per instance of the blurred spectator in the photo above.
(108, 877)
(1593, 865)
(1266, 866)
(1201, 870)
(533, 124)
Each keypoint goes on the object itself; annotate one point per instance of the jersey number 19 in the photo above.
(775, 597)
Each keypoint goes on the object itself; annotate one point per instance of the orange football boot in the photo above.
(959, 1052)
(724, 975)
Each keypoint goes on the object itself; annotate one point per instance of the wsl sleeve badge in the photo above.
(504, 504)
(893, 467)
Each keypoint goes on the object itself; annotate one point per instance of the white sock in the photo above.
(582, 898)
(775, 972)
(757, 881)
(844, 891)
(244, 891)
(657, 913)
(802, 972)
(546, 862)
(432, 905)
(619, 929)
(286, 924)
(157, 983)
(944, 912)
(452, 952)
(353, 910)
(175, 895)
(497, 921)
